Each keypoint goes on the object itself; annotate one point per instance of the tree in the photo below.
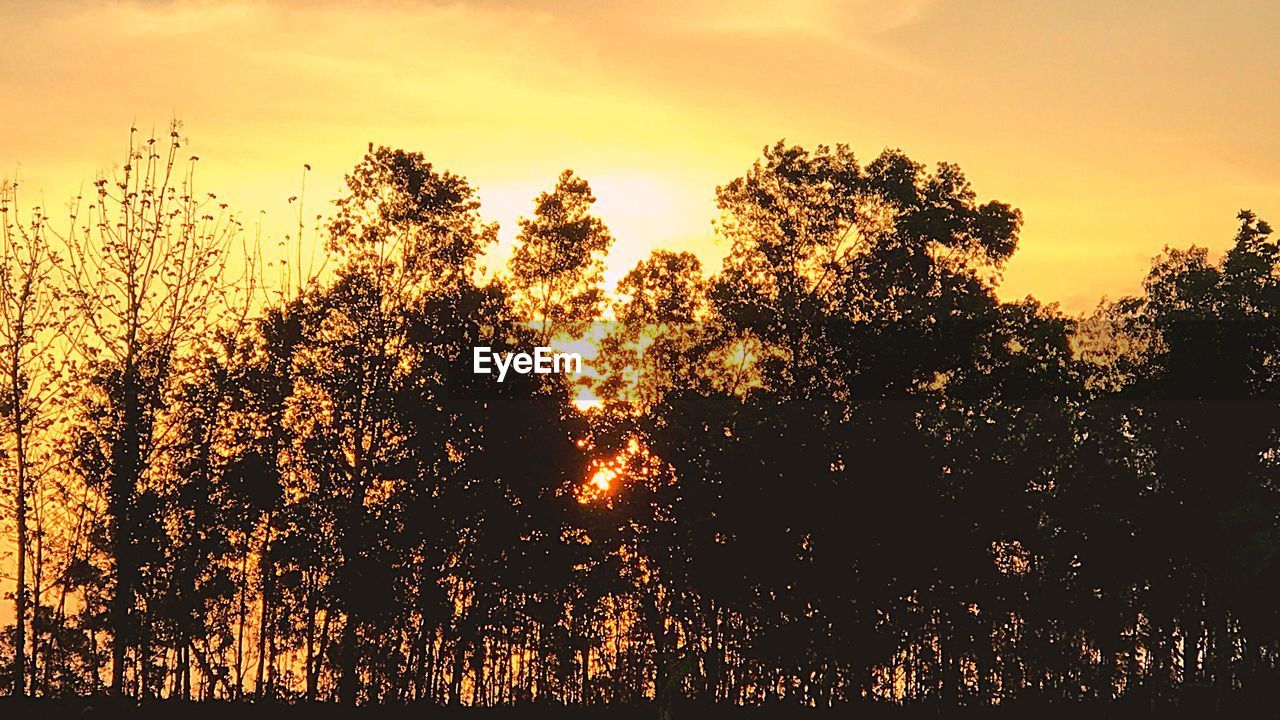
(405, 233)
(659, 330)
(1189, 389)
(31, 320)
(840, 470)
(144, 275)
(559, 261)
(865, 289)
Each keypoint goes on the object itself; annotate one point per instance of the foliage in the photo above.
(839, 470)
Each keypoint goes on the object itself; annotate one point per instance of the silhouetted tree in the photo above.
(840, 470)
(144, 274)
(659, 332)
(31, 320)
(558, 262)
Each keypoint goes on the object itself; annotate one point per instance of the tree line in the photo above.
(839, 469)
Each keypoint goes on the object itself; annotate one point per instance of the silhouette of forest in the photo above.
(837, 473)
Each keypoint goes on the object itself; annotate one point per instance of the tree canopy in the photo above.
(838, 470)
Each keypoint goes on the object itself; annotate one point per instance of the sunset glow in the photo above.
(599, 485)
(1116, 128)
(608, 474)
(718, 359)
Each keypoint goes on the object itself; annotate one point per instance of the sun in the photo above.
(606, 474)
(601, 483)
(603, 478)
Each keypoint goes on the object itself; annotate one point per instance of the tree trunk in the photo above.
(242, 611)
(349, 683)
(20, 634)
(124, 477)
(264, 619)
(1222, 649)
(312, 662)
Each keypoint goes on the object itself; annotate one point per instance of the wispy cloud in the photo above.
(826, 19)
(1094, 118)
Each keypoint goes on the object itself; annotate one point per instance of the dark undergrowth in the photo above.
(1264, 706)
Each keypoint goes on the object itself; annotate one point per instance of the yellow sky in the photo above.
(1117, 127)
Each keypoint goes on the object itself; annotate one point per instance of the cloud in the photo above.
(139, 19)
(1041, 102)
(825, 19)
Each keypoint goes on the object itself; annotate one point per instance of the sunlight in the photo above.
(606, 474)
(604, 478)
(599, 487)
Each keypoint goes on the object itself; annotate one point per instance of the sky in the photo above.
(1116, 127)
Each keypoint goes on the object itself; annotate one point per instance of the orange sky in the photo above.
(1117, 127)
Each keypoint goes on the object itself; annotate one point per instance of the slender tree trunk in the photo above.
(242, 611)
(311, 660)
(347, 650)
(459, 663)
(184, 667)
(20, 634)
(271, 654)
(265, 611)
(584, 698)
(144, 662)
(420, 667)
(1222, 651)
(124, 477)
(37, 582)
(260, 684)
(1190, 650)
(432, 670)
(20, 597)
(315, 657)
